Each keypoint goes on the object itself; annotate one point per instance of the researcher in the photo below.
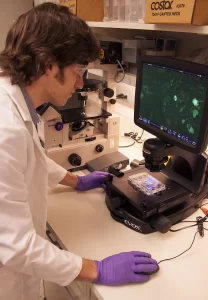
(46, 53)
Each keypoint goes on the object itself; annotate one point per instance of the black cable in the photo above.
(188, 221)
(199, 223)
(191, 221)
(186, 227)
(118, 72)
(122, 78)
(134, 136)
(141, 135)
(181, 253)
(128, 145)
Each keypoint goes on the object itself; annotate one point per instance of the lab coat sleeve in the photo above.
(55, 173)
(21, 249)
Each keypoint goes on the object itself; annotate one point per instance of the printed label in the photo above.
(169, 11)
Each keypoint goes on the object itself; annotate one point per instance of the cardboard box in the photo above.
(71, 4)
(88, 10)
(177, 12)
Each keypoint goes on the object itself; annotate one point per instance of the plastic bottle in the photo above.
(108, 10)
(115, 9)
(142, 8)
(121, 11)
(134, 10)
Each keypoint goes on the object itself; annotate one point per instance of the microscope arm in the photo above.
(186, 168)
(156, 152)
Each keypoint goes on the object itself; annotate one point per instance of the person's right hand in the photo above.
(123, 268)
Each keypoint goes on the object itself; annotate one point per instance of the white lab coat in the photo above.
(25, 173)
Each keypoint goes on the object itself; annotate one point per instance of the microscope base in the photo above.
(128, 217)
(147, 214)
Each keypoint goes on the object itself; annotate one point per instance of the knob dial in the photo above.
(113, 101)
(99, 148)
(75, 160)
(108, 92)
(59, 126)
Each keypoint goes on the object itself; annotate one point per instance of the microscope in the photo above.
(171, 103)
(85, 132)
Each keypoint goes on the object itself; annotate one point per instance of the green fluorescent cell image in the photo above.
(195, 102)
(195, 113)
(172, 99)
(190, 128)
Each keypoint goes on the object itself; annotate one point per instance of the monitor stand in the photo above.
(185, 178)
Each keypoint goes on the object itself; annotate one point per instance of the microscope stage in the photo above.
(83, 113)
(154, 193)
(146, 183)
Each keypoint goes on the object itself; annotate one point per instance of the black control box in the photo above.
(110, 52)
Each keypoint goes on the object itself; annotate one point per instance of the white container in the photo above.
(127, 10)
(121, 11)
(108, 10)
(131, 48)
(118, 10)
(142, 8)
(134, 10)
(115, 10)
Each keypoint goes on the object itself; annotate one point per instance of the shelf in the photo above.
(158, 27)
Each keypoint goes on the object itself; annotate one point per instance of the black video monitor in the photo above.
(171, 101)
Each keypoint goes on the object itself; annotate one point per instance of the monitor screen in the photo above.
(173, 101)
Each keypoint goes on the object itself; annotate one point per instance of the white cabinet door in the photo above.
(93, 297)
(81, 291)
(9, 11)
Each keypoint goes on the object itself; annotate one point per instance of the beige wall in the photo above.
(9, 11)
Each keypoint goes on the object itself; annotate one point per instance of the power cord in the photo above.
(200, 223)
(134, 136)
(186, 227)
(181, 253)
(118, 72)
(127, 146)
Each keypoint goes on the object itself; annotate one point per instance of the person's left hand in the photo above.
(91, 181)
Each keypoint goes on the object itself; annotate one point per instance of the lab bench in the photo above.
(81, 223)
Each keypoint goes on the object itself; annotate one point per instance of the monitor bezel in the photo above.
(175, 64)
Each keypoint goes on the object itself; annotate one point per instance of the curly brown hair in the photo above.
(46, 34)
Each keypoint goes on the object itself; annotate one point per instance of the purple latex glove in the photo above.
(125, 268)
(91, 181)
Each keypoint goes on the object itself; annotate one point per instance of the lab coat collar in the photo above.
(17, 97)
(15, 93)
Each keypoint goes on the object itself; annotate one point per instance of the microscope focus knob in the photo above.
(59, 126)
(99, 148)
(160, 223)
(113, 101)
(75, 160)
(108, 92)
